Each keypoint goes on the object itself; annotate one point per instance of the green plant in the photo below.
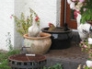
(56, 66)
(4, 55)
(87, 14)
(86, 46)
(4, 59)
(83, 7)
(83, 67)
(87, 68)
(23, 23)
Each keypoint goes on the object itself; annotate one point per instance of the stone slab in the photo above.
(70, 58)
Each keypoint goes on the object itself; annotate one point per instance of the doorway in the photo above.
(71, 22)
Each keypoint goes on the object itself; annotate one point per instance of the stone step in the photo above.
(69, 58)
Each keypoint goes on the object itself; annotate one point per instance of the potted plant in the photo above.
(28, 28)
(23, 23)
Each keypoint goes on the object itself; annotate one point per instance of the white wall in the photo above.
(18, 8)
(58, 12)
(6, 23)
(48, 11)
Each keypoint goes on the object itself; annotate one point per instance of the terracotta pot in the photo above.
(38, 45)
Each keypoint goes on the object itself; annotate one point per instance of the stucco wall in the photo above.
(18, 8)
(48, 11)
(6, 23)
(44, 8)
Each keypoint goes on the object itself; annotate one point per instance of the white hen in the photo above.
(83, 29)
(34, 30)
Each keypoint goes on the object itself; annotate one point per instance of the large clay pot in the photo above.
(38, 45)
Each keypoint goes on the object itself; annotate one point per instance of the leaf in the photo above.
(22, 16)
(32, 11)
(20, 31)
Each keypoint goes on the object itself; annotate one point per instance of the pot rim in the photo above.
(20, 60)
(42, 36)
(56, 32)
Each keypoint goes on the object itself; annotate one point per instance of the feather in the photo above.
(84, 30)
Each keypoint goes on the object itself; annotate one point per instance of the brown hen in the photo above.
(51, 27)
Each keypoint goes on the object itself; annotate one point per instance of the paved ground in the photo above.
(70, 58)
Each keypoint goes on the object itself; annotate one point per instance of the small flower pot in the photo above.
(38, 45)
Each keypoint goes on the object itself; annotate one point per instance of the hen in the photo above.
(51, 27)
(84, 30)
(34, 30)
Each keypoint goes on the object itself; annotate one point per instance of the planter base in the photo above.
(22, 61)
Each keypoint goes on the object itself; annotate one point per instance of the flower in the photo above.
(81, 0)
(89, 40)
(89, 63)
(75, 14)
(84, 7)
(11, 16)
(86, 44)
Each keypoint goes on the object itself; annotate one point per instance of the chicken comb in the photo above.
(50, 24)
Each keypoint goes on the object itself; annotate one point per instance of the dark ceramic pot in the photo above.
(60, 38)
